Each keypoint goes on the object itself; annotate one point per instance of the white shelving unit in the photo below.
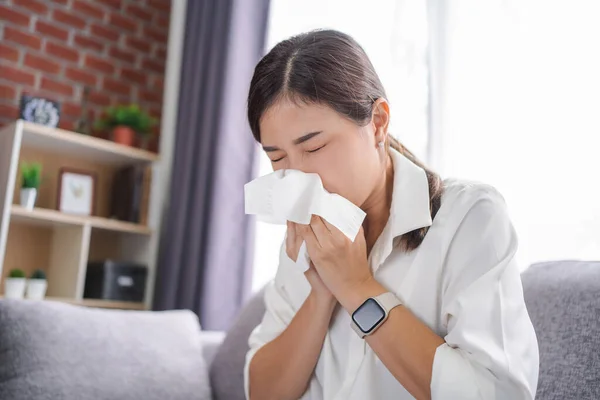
(60, 243)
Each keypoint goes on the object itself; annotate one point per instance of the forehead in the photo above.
(286, 120)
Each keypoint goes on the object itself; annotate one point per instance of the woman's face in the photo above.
(316, 139)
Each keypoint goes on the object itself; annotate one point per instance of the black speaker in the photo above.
(112, 280)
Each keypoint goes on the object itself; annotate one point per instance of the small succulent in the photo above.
(31, 175)
(16, 273)
(38, 274)
(127, 115)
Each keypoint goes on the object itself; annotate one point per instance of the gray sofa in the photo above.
(58, 351)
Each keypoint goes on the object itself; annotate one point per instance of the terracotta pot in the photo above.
(123, 135)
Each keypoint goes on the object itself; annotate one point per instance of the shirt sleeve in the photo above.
(279, 312)
(490, 350)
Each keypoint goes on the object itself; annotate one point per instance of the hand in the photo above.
(293, 242)
(320, 290)
(341, 264)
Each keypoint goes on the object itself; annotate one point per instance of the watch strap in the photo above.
(388, 300)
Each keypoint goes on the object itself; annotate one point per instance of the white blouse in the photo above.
(462, 281)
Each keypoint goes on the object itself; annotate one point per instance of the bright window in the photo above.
(521, 111)
(516, 100)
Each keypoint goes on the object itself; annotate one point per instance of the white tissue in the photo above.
(291, 195)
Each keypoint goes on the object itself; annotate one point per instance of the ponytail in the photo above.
(411, 240)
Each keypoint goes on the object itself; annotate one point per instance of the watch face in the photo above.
(368, 315)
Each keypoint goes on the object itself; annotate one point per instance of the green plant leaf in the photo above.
(127, 115)
(38, 274)
(31, 175)
(16, 273)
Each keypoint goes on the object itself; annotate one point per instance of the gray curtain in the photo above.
(205, 253)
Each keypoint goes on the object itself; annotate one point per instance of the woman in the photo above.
(436, 257)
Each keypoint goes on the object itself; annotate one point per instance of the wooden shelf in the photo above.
(98, 303)
(47, 217)
(63, 244)
(60, 141)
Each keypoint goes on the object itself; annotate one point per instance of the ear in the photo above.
(380, 119)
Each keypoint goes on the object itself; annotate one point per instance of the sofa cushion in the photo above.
(227, 368)
(563, 300)
(50, 350)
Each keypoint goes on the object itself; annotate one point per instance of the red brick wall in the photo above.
(54, 48)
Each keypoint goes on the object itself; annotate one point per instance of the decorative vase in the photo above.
(28, 196)
(123, 135)
(36, 289)
(14, 288)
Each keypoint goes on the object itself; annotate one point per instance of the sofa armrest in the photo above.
(211, 341)
(53, 350)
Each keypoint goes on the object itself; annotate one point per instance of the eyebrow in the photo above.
(300, 140)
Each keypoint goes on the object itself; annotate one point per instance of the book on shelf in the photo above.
(128, 194)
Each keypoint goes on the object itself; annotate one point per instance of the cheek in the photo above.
(349, 175)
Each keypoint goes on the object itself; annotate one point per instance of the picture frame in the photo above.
(76, 192)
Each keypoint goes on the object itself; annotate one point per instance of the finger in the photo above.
(290, 235)
(291, 230)
(297, 231)
(337, 236)
(361, 233)
(321, 232)
(332, 228)
(308, 235)
(327, 224)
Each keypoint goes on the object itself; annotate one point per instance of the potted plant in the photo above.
(124, 122)
(37, 284)
(31, 177)
(14, 284)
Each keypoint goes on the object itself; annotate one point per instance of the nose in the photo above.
(297, 162)
(293, 164)
(292, 161)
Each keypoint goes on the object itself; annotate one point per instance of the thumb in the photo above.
(311, 271)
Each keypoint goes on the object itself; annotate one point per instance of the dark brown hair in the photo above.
(329, 67)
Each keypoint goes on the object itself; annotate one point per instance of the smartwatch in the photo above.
(373, 313)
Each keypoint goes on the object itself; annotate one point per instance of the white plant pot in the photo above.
(14, 288)
(28, 196)
(36, 289)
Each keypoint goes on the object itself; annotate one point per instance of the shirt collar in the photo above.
(409, 209)
(410, 196)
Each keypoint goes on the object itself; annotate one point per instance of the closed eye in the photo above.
(317, 149)
(279, 159)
